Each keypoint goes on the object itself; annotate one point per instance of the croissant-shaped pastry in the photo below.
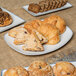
(60, 23)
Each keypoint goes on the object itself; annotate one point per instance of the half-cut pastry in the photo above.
(33, 43)
(13, 32)
(5, 19)
(29, 26)
(21, 37)
(42, 39)
(50, 32)
(60, 24)
(40, 68)
(64, 69)
(16, 71)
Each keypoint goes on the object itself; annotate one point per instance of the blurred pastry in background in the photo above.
(34, 7)
(40, 68)
(16, 71)
(5, 19)
(46, 5)
(64, 69)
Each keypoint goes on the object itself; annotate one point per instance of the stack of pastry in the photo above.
(46, 5)
(41, 68)
(36, 33)
(5, 18)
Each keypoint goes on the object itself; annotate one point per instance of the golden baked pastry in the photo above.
(16, 71)
(54, 40)
(47, 30)
(33, 24)
(5, 19)
(40, 68)
(30, 26)
(50, 32)
(60, 24)
(64, 69)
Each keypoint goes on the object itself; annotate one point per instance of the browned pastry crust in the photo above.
(64, 2)
(64, 69)
(42, 6)
(5, 19)
(29, 26)
(54, 40)
(34, 7)
(40, 68)
(47, 30)
(50, 32)
(57, 4)
(33, 24)
(53, 4)
(60, 3)
(60, 24)
(16, 71)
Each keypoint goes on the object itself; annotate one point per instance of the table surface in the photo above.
(10, 58)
